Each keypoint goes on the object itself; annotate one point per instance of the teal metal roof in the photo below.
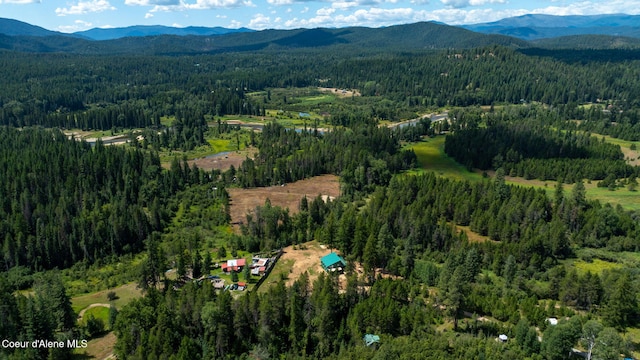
(369, 339)
(332, 259)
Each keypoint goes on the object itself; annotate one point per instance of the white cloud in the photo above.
(84, 7)
(325, 11)
(234, 24)
(152, 2)
(148, 15)
(260, 22)
(20, 2)
(305, 10)
(280, 2)
(213, 4)
(464, 3)
(78, 25)
(344, 4)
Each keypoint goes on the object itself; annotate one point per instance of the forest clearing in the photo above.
(296, 260)
(244, 201)
(224, 160)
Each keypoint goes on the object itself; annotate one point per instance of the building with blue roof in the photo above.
(333, 262)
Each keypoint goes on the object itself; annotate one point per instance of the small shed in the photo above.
(503, 338)
(333, 262)
(370, 339)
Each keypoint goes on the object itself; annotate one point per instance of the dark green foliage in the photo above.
(559, 340)
(520, 143)
(621, 309)
(64, 201)
(368, 156)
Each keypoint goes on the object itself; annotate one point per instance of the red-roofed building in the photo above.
(233, 265)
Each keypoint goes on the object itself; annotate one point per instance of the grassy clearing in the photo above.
(125, 294)
(432, 157)
(97, 348)
(282, 269)
(596, 266)
(472, 236)
(98, 312)
(221, 145)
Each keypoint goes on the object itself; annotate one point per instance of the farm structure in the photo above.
(333, 262)
(233, 265)
(259, 266)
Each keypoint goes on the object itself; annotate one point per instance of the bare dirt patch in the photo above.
(244, 201)
(296, 260)
(223, 161)
(305, 258)
(341, 92)
(473, 236)
(632, 156)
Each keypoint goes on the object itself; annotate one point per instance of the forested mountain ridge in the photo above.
(513, 255)
(154, 30)
(14, 27)
(416, 36)
(539, 26)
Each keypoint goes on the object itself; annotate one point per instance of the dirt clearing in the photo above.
(296, 260)
(223, 161)
(340, 92)
(244, 201)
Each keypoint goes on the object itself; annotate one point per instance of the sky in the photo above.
(78, 15)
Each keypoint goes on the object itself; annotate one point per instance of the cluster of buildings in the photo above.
(259, 267)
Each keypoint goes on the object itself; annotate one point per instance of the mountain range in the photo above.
(601, 31)
(534, 27)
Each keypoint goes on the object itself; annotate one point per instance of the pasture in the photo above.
(244, 201)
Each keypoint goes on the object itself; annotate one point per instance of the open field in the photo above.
(295, 261)
(223, 160)
(629, 200)
(98, 311)
(125, 294)
(244, 201)
(596, 266)
(431, 156)
(472, 236)
(341, 92)
(99, 348)
(632, 156)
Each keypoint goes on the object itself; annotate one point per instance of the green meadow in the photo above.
(431, 157)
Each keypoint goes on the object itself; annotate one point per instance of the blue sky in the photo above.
(76, 15)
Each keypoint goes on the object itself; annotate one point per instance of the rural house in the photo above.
(333, 262)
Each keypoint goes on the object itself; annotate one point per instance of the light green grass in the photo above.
(315, 99)
(125, 294)
(221, 145)
(282, 269)
(432, 157)
(98, 312)
(596, 266)
(629, 200)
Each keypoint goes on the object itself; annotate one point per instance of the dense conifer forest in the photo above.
(437, 267)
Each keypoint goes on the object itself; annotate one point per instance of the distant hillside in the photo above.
(117, 33)
(589, 42)
(14, 28)
(409, 37)
(533, 27)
